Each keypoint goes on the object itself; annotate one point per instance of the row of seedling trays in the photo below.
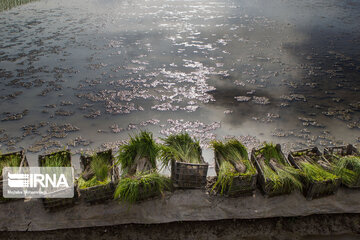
(309, 171)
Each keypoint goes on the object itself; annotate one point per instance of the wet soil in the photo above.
(339, 226)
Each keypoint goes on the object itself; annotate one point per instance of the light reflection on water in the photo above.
(285, 72)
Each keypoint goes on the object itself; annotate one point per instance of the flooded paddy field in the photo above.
(86, 74)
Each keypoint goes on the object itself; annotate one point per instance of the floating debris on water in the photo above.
(269, 118)
(165, 107)
(293, 97)
(115, 128)
(113, 145)
(310, 122)
(67, 127)
(15, 116)
(261, 100)
(339, 112)
(78, 141)
(199, 130)
(32, 129)
(62, 112)
(243, 98)
(93, 114)
(228, 111)
(66, 103)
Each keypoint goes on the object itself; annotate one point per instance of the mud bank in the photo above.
(329, 226)
(181, 205)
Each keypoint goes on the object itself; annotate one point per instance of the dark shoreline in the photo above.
(335, 226)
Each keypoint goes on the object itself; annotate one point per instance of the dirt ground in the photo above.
(334, 226)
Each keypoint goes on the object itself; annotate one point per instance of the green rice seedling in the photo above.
(59, 159)
(233, 160)
(91, 182)
(182, 148)
(131, 189)
(269, 151)
(100, 168)
(313, 172)
(140, 146)
(286, 179)
(278, 174)
(226, 176)
(348, 168)
(82, 184)
(13, 160)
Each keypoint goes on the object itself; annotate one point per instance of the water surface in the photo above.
(86, 74)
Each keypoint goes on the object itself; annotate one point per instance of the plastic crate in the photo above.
(267, 186)
(54, 204)
(241, 185)
(23, 163)
(189, 175)
(100, 193)
(315, 189)
(342, 151)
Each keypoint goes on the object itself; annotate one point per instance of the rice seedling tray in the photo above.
(99, 193)
(147, 193)
(341, 151)
(241, 185)
(314, 189)
(189, 175)
(267, 186)
(23, 163)
(54, 204)
(330, 154)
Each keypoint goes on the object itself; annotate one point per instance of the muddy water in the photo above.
(86, 74)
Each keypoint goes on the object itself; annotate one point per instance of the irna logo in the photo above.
(36, 180)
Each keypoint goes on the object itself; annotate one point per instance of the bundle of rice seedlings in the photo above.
(59, 159)
(313, 168)
(139, 155)
(234, 162)
(98, 173)
(277, 172)
(348, 168)
(181, 148)
(140, 179)
(141, 185)
(313, 172)
(13, 160)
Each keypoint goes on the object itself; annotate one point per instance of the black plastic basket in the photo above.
(267, 186)
(241, 185)
(100, 193)
(189, 175)
(23, 163)
(329, 153)
(341, 151)
(54, 204)
(149, 192)
(315, 189)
